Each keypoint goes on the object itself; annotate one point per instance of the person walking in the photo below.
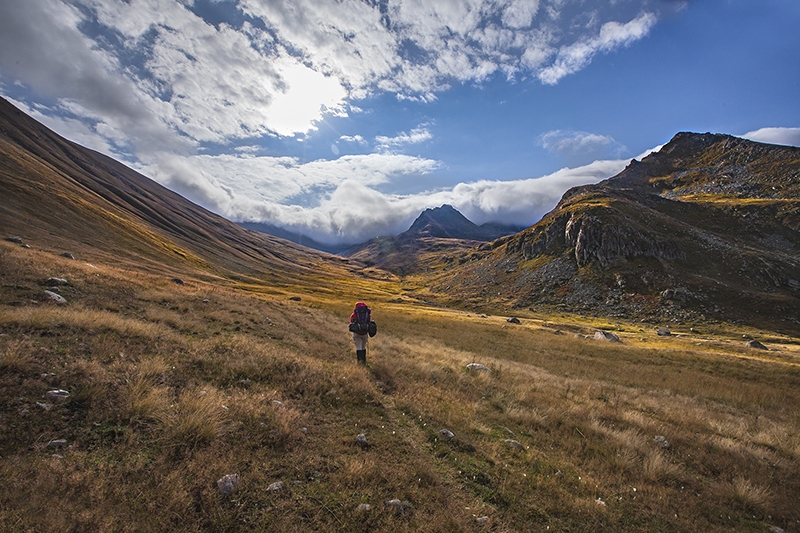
(362, 327)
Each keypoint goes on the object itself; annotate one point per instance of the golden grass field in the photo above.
(159, 410)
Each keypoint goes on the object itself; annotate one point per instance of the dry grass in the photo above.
(172, 387)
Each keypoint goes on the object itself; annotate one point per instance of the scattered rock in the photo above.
(606, 336)
(267, 320)
(45, 406)
(482, 520)
(397, 506)
(361, 440)
(679, 294)
(446, 434)
(245, 382)
(26, 246)
(478, 367)
(513, 320)
(68, 255)
(364, 508)
(56, 394)
(511, 443)
(277, 403)
(775, 529)
(275, 487)
(228, 484)
(756, 344)
(600, 502)
(57, 443)
(331, 392)
(15, 239)
(663, 332)
(57, 298)
(295, 298)
(557, 332)
(57, 281)
(178, 281)
(661, 441)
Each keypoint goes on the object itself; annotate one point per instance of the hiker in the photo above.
(363, 327)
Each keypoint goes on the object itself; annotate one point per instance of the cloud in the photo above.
(578, 147)
(415, 136)
(786, 136)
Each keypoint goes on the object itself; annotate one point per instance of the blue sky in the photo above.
(342, 120)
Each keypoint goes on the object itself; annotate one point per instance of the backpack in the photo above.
(362, 323)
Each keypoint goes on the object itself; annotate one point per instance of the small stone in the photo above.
(663, 332)
(205, 300)
(364, 508)
(478, 367)
(15, 239)
(228, 484)
(268, 321)
(68, 255)
(277, 403)
(295, 298)
(53, 297)
(56, 394)
(513, 320)
(600, 502)
(361, 440)
(245, 382)
(57, 443)
(331, 392)
(661, 441)
(446, 434)
(756, 344)
(26, 246)
(775, 529)
(275, 487)
(45, 406)
(482, 520)
(57, 281)
(398, 506)
(178, 281)
(511, 443)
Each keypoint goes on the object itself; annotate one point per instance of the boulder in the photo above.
(514, 444)
(361, 440)
(513, 320)
(57, 443)
(68, 255)
(15, 239)
(178, 281)
(478, 367)
(56, 394)
(398, 507)
(606, 336)
(663, 332)
(661, 441)
(275, 487)
(54, 297)
(756, 344)
(54, 282)
(446, 434)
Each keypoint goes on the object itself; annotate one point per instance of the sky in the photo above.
(342, 120)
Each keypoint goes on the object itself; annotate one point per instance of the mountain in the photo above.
(706, 228)
(435, 232)
(65, 197)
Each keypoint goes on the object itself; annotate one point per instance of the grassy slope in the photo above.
(157, 414)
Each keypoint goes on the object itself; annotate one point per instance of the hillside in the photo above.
(704, 229)
(231, 401)
(435, 233)
(68, 198)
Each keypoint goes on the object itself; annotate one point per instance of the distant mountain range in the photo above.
(435, 231)
(706, 228)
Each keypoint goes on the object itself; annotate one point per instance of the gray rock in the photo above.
(68, 255)
(178, 281)
(56, 394)
(478, 367)
(228, 484)
(482, 520)
(446, 434)
(513, 320)
(661, 441)
(755, 344)
(364, 508)
(275, 487)
(245, 382)
(277, 403)
(663, 332)
(15, 239)
(775, 529)
(57, 443)
(398, 507)
(26, 246)
(57, 298)
(606, 336)
(57, 281)
(44, 406)
(361, 440)
(511, 443)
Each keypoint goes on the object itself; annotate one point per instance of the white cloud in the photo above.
(353, 139)
(786, 136)
(417, 135)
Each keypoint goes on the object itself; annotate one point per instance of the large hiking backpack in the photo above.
(363, 324)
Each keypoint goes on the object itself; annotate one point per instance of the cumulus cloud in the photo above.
(786, 136)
